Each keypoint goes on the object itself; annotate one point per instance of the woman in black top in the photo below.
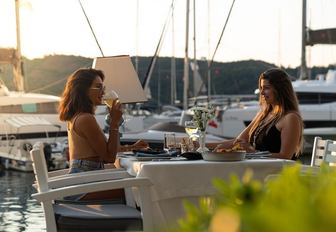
(278, 125)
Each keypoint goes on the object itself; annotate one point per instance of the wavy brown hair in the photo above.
(75, 98)
(287, 102)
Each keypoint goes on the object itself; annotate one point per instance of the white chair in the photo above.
(86, 217)
(61, 178)
(323, 151)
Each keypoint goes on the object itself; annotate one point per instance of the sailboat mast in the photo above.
(17, 64)
(208, 62)
(186, 62)
(195, 61)
(303, 69)
(173, 66)
(137, 38)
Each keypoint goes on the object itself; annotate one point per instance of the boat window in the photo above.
(39, 108)
(29, 108)
(315, 98)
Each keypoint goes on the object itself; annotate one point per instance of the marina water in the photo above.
(18, 210)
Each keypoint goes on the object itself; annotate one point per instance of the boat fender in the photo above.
(47, 150)
(27, 146)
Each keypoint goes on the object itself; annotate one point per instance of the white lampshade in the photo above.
(121, 77)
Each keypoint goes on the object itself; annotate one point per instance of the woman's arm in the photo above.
(291, 131)
(140, 144)
(113, 142)
(242, 139)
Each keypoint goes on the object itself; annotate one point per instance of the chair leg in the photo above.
(49, 216)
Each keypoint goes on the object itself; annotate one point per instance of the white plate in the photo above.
(224, 156)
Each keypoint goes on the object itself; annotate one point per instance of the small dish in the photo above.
(224, 156)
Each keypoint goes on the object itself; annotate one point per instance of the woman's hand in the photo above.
(230, 144)
(115, 114)
(244, 145)
(140, 144)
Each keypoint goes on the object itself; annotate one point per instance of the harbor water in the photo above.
(18, 210)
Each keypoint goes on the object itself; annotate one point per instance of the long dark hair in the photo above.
(75, 98)
(286, 101)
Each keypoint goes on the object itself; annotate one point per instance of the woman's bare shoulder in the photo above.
(290, 119)
(85, 118)
(293, 116)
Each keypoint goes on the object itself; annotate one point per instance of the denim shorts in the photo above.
(77, 166)
(85, 166)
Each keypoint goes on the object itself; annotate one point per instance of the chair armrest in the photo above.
(87, 177)
(58, 173)
(53, 194)
(93, 172)
(65, 180)
(61, 172)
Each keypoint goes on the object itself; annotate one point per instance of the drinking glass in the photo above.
(191, 129)
(169, 142)
(109, 98)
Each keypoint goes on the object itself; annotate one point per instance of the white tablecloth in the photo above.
(175, 181)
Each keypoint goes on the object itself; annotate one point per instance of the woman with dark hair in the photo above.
(89, 149)
(278, 125)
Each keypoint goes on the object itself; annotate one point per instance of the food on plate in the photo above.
(236, 147)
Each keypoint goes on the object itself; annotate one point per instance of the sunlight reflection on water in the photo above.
(18, 211)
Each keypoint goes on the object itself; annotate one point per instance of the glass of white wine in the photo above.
(191, 129)
(109, 98)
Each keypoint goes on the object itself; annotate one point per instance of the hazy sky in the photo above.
(268, 30)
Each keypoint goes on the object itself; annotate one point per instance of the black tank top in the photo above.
(271, 142)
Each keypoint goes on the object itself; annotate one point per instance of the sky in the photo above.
(268, 30)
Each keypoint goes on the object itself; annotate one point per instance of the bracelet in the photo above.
(114, 129)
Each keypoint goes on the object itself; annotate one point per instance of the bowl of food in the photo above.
(232, 154)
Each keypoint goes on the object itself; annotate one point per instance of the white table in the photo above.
(175, 181)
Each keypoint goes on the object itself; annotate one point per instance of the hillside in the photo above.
(48, 75)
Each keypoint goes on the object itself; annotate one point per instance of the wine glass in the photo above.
(109, 98)
(191, 129)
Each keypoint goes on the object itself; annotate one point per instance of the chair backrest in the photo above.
(323, 151)
(41, 176)
(46, 194)
(40, 167)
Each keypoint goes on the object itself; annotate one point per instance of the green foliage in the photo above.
(291, 201)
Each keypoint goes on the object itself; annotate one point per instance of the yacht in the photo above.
(24, 119)
(15, 148)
